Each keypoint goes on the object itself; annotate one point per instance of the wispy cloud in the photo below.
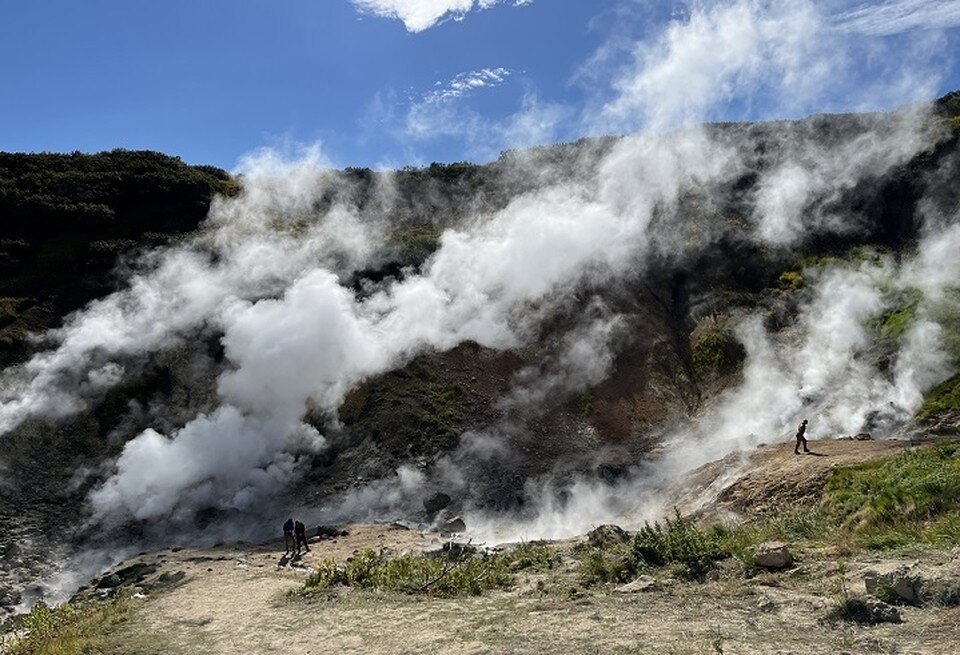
(420, 15)
(896, 16)
(466, 83)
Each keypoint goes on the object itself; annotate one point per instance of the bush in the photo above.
(606, 564)
(679, 542)
(450, 573)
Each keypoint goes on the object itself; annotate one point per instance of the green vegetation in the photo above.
(76, 628)
(67, 219)
(456, 570)
(411, 411)
(714, 348)
(907, 500)
(944, 397)
(911, 498)
(678, 544)
(691, 550)
(453, 572)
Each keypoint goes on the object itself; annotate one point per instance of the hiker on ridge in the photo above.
(801, 439)
(288, 542)
(300, 536)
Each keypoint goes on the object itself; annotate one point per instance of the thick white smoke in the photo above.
(270, 279)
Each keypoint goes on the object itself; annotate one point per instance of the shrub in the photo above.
(679, 542)
(606, 564)
(445, 574)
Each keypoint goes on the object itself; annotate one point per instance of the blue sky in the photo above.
(395, 82)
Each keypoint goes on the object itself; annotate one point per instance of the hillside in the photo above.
(538, 344)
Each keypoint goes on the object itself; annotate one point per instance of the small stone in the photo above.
(899, 580)
(643, 583)
(773, 555)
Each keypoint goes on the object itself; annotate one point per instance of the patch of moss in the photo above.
(892, 324)
(715, 351)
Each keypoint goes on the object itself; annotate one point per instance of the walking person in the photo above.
(288, 541)
(801, 439)
(300, 536)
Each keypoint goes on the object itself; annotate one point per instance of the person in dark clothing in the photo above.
(801, 439)
(300, 535)
(288, 541)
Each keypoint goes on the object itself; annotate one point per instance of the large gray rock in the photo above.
(773, 555)
(895, 581)
(436, 502)
(453, 525)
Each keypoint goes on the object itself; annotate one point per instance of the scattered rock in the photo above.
(109, 582)
(894, 582)
(436, 502)
(171, 578)
(452, 526)
(330, 532)
(876, 611)
(773, 555)
(643, 583)
(607, 535)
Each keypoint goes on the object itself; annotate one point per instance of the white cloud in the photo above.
(464, 84)
(896, 16)
(420, 15)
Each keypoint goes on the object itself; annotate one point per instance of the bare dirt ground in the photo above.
(242, 599)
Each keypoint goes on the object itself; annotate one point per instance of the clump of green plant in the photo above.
(606, 564)
(680, 543)
(714, 348)
(534, 556)
(71, 629)
(447, 574)
(791, 280)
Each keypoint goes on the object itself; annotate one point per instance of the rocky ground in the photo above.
(242, 599)
(246, 598)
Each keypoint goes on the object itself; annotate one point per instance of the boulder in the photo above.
(109, 582)
(894, 581)
(607, 535)
(879, 612)
(643, 583)
(436, 502)
(452, 526)
(773, 555)
(330, 532)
